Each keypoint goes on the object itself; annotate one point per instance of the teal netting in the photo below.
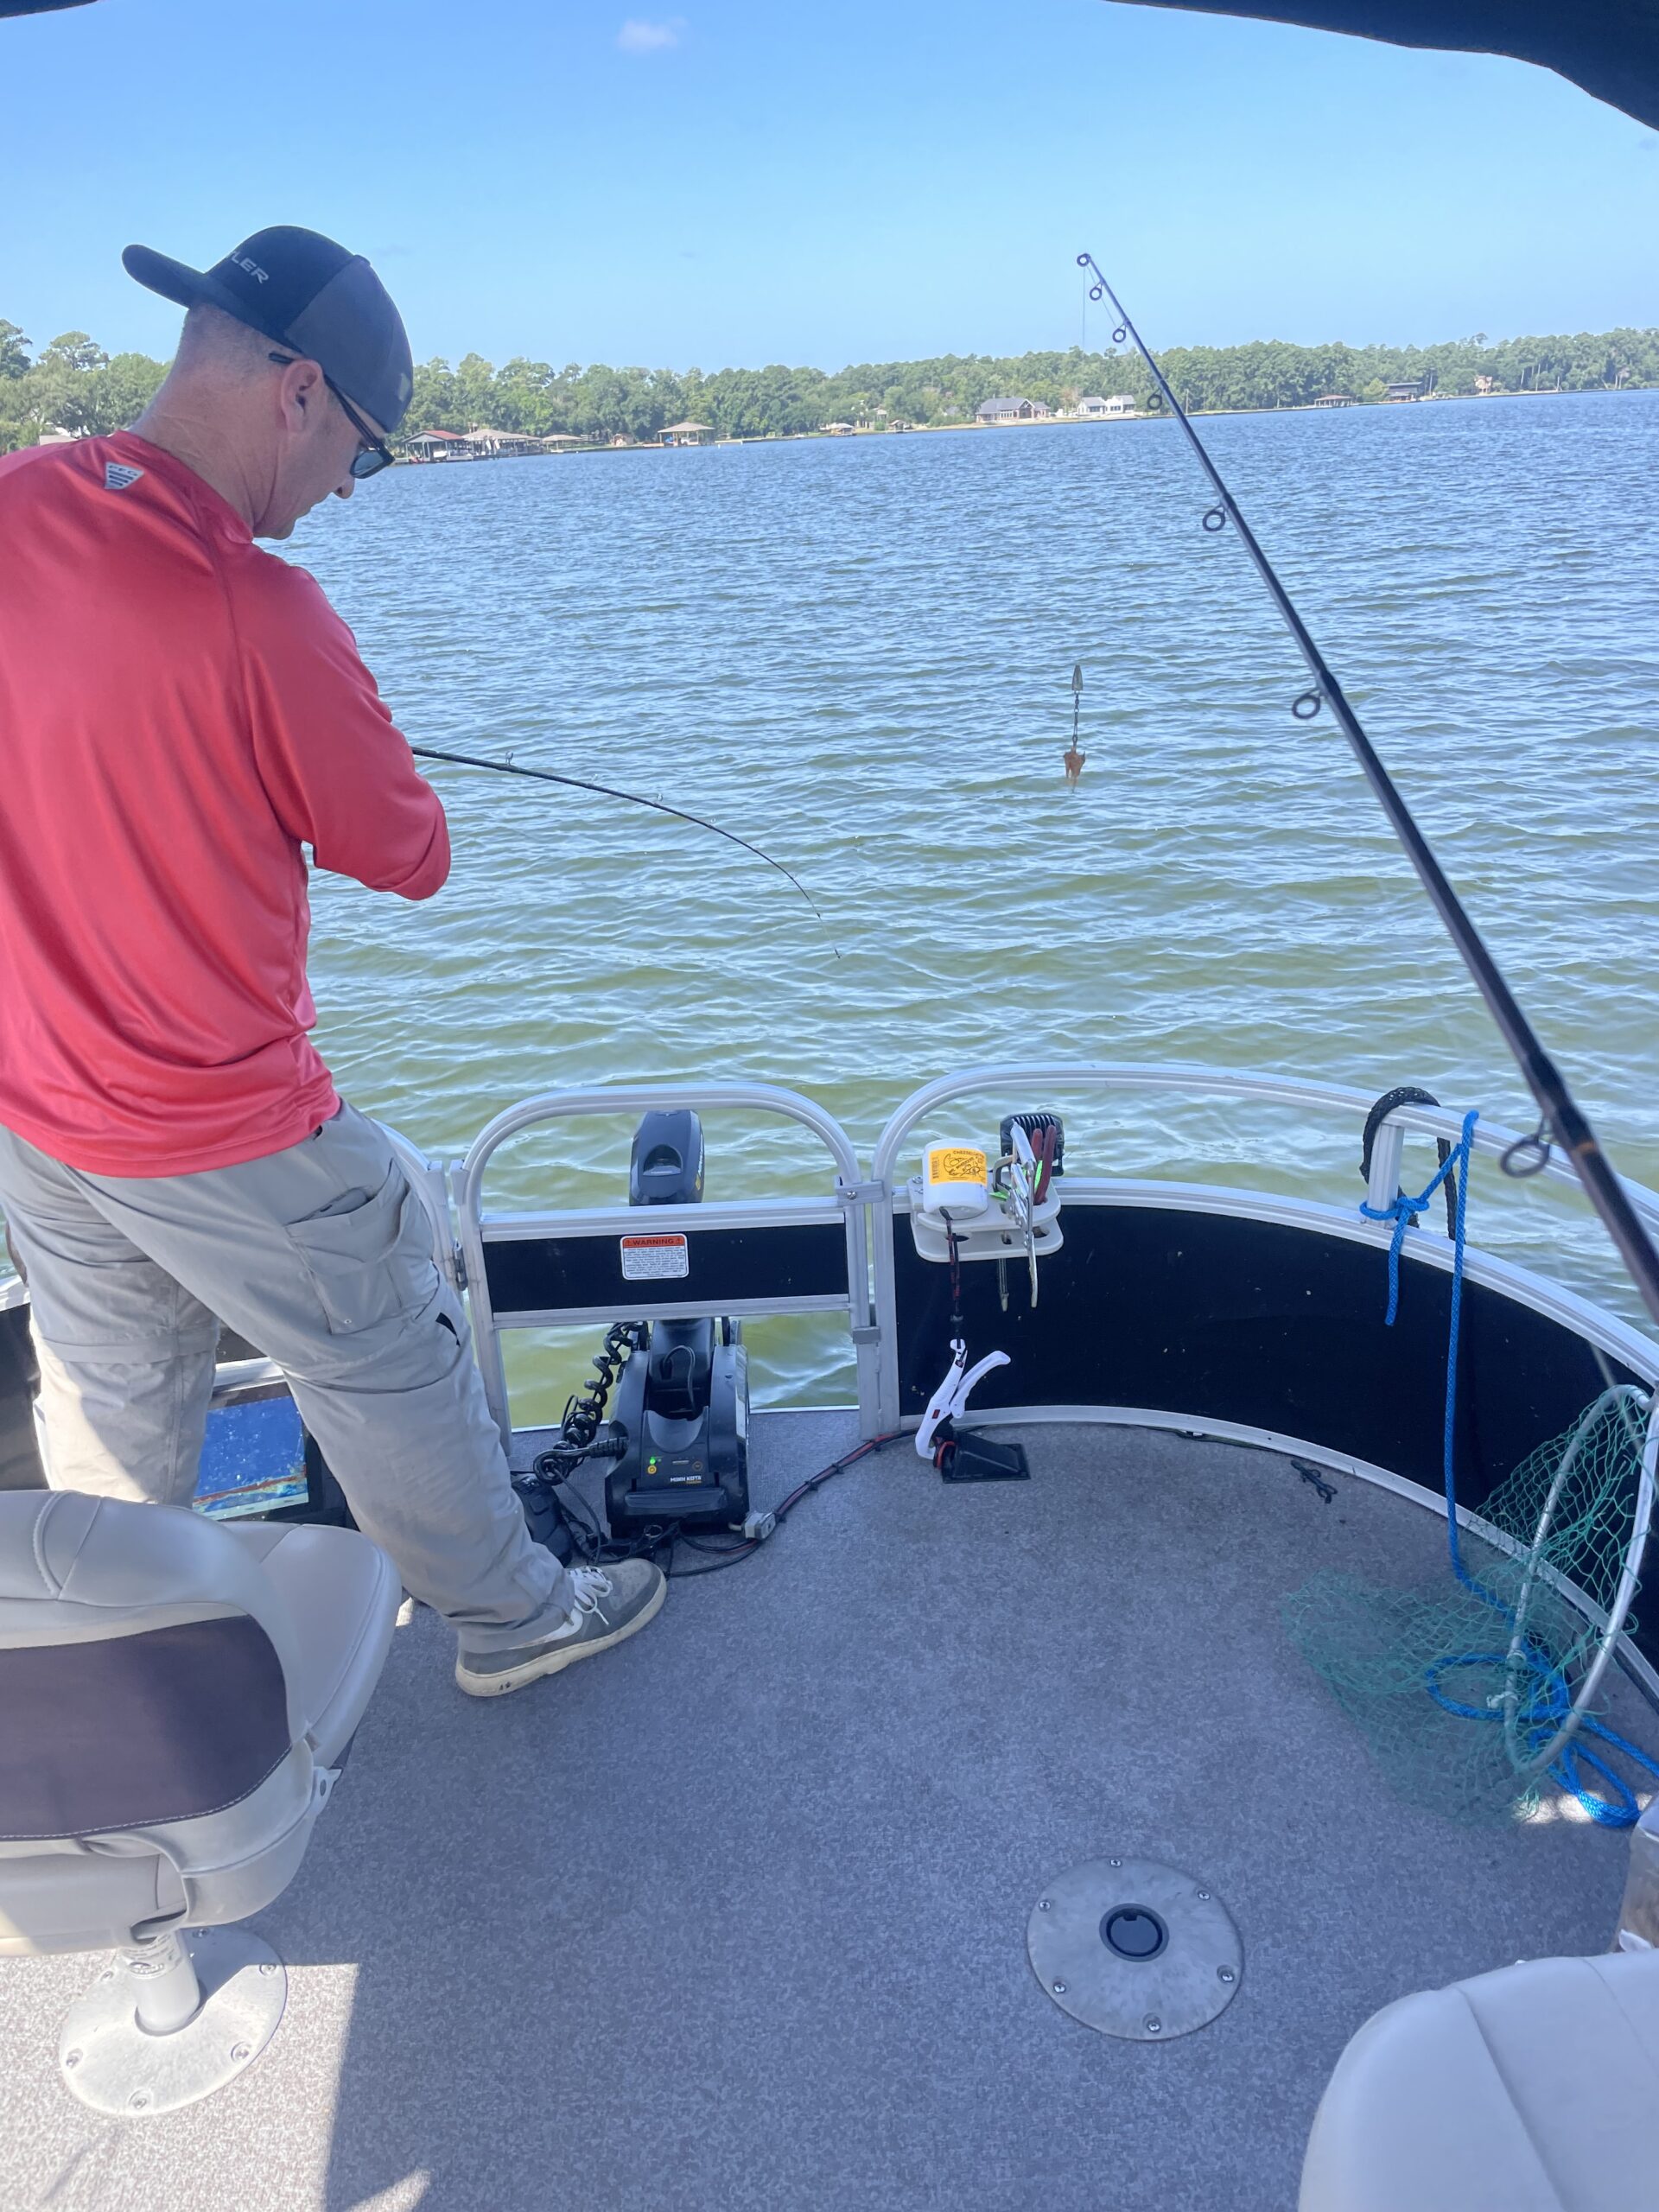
(1473, 1692)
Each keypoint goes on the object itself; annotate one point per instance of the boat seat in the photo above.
(1532, 2089)
(176, 1697)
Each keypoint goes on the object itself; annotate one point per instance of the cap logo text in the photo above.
(252, 267)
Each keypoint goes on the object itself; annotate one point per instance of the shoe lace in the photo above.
(592, 1583)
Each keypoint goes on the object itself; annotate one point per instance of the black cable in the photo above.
(780, 1513)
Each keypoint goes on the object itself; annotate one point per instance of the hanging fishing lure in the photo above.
(1560, 1117)
(1074, 759)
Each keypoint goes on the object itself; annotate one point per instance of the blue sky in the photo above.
(750, 180)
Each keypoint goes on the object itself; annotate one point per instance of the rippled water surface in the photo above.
(858, 654)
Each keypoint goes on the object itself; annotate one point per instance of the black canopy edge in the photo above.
(1609, 47)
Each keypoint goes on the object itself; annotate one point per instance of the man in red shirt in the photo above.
(179, 714)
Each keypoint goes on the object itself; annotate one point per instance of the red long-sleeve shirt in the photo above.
(180, 712)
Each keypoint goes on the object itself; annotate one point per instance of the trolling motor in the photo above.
(670, 1404)
(682, 1400)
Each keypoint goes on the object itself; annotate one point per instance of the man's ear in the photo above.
(302, 391)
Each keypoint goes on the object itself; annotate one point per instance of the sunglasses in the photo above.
(373, 454)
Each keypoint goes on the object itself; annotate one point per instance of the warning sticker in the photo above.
(654, 1259)
(954, 1163)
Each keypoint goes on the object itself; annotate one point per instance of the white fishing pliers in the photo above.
(950, 1399)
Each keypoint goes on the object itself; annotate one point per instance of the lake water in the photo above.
(858, 653)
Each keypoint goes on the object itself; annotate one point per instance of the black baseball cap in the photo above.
(304, 292)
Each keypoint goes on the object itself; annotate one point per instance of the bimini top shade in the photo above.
(1610, 48)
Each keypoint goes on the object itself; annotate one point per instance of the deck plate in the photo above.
(1135, 1949)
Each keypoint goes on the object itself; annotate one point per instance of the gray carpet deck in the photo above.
(733, 1920)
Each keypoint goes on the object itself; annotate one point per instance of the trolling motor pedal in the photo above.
(976, 1458)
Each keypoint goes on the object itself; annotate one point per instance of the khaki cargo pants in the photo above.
(321, 1255)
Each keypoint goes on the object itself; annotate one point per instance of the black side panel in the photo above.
(130, 1731)
(1270, 1326)
(19, 1464)
(550, 1273)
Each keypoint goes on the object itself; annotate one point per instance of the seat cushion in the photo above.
(341, 1593)
(1533, 2090)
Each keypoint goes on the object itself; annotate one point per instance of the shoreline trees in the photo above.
(72, 385)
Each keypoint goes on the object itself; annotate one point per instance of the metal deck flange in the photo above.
(1135, 1949)
(110, 2063)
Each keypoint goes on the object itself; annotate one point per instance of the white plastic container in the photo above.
(953, 1180)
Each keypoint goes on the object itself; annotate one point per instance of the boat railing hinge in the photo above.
(461, 1266)
(866, 1332)
(859, 1194)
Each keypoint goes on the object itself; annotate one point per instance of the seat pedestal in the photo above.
(117, 2064)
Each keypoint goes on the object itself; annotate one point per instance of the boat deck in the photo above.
(734, 1921)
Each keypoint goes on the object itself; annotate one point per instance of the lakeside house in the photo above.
(487, 443)
(1484, 385)
(484, 443)
(1413, 390)
(438, 445)
(688, 433)
(839, 430)
(1334, 399)
(1095, 409)
(1012, 410)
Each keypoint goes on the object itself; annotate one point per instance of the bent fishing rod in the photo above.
(633, 798)
(1562, 1117)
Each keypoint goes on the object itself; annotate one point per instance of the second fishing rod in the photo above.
(1561, 1117)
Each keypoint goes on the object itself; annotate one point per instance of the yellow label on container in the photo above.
(954, 1163)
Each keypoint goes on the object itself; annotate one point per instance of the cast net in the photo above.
(1476, 1693)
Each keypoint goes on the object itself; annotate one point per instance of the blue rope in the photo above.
(1550, 1701)
(1402, 1211)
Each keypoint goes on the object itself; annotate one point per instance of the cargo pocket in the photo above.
(371, 1262)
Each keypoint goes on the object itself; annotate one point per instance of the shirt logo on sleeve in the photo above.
(119, 477)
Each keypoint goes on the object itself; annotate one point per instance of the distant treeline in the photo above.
(73, 384)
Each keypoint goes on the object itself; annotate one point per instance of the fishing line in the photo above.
(1561, 1115)
(633, 798)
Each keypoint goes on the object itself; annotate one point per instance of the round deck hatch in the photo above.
(1135, 1949)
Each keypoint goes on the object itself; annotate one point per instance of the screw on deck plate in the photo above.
(1226, 1973)
(1153, 2026)
(1204, 1894)
(1044, 1905)
(239, 2051)
(138, 2101)
(268, 1965)
(72, 2058)
(1114, 1862)
(1060, 1989)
